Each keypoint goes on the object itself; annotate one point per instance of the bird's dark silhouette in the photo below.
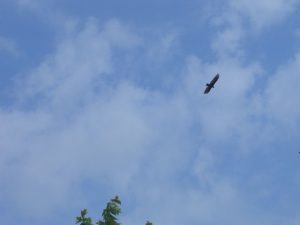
(211, 84)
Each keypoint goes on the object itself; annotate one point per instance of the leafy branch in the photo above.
(109, 214)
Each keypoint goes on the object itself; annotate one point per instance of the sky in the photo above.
(105, 98)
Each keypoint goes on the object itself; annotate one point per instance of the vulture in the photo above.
(211, 84)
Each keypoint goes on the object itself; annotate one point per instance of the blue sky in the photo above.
(105, 98)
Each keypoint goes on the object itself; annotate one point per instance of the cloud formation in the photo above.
(87, 124)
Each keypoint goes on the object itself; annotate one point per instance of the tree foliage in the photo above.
(109, 214)
(82, 219)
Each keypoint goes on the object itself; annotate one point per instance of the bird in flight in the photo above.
(211, 84)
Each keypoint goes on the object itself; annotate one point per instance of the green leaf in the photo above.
(83, 212)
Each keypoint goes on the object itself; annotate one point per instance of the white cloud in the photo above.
(228, 42)
(163, 48)
(78, 124)
(76, 69)
(255, 15)
(92, 124)
(282, 94)
(239, 20)
(263, 13)
(72, 132)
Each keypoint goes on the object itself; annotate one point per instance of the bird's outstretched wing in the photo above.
(207, 90)
(214, 80)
